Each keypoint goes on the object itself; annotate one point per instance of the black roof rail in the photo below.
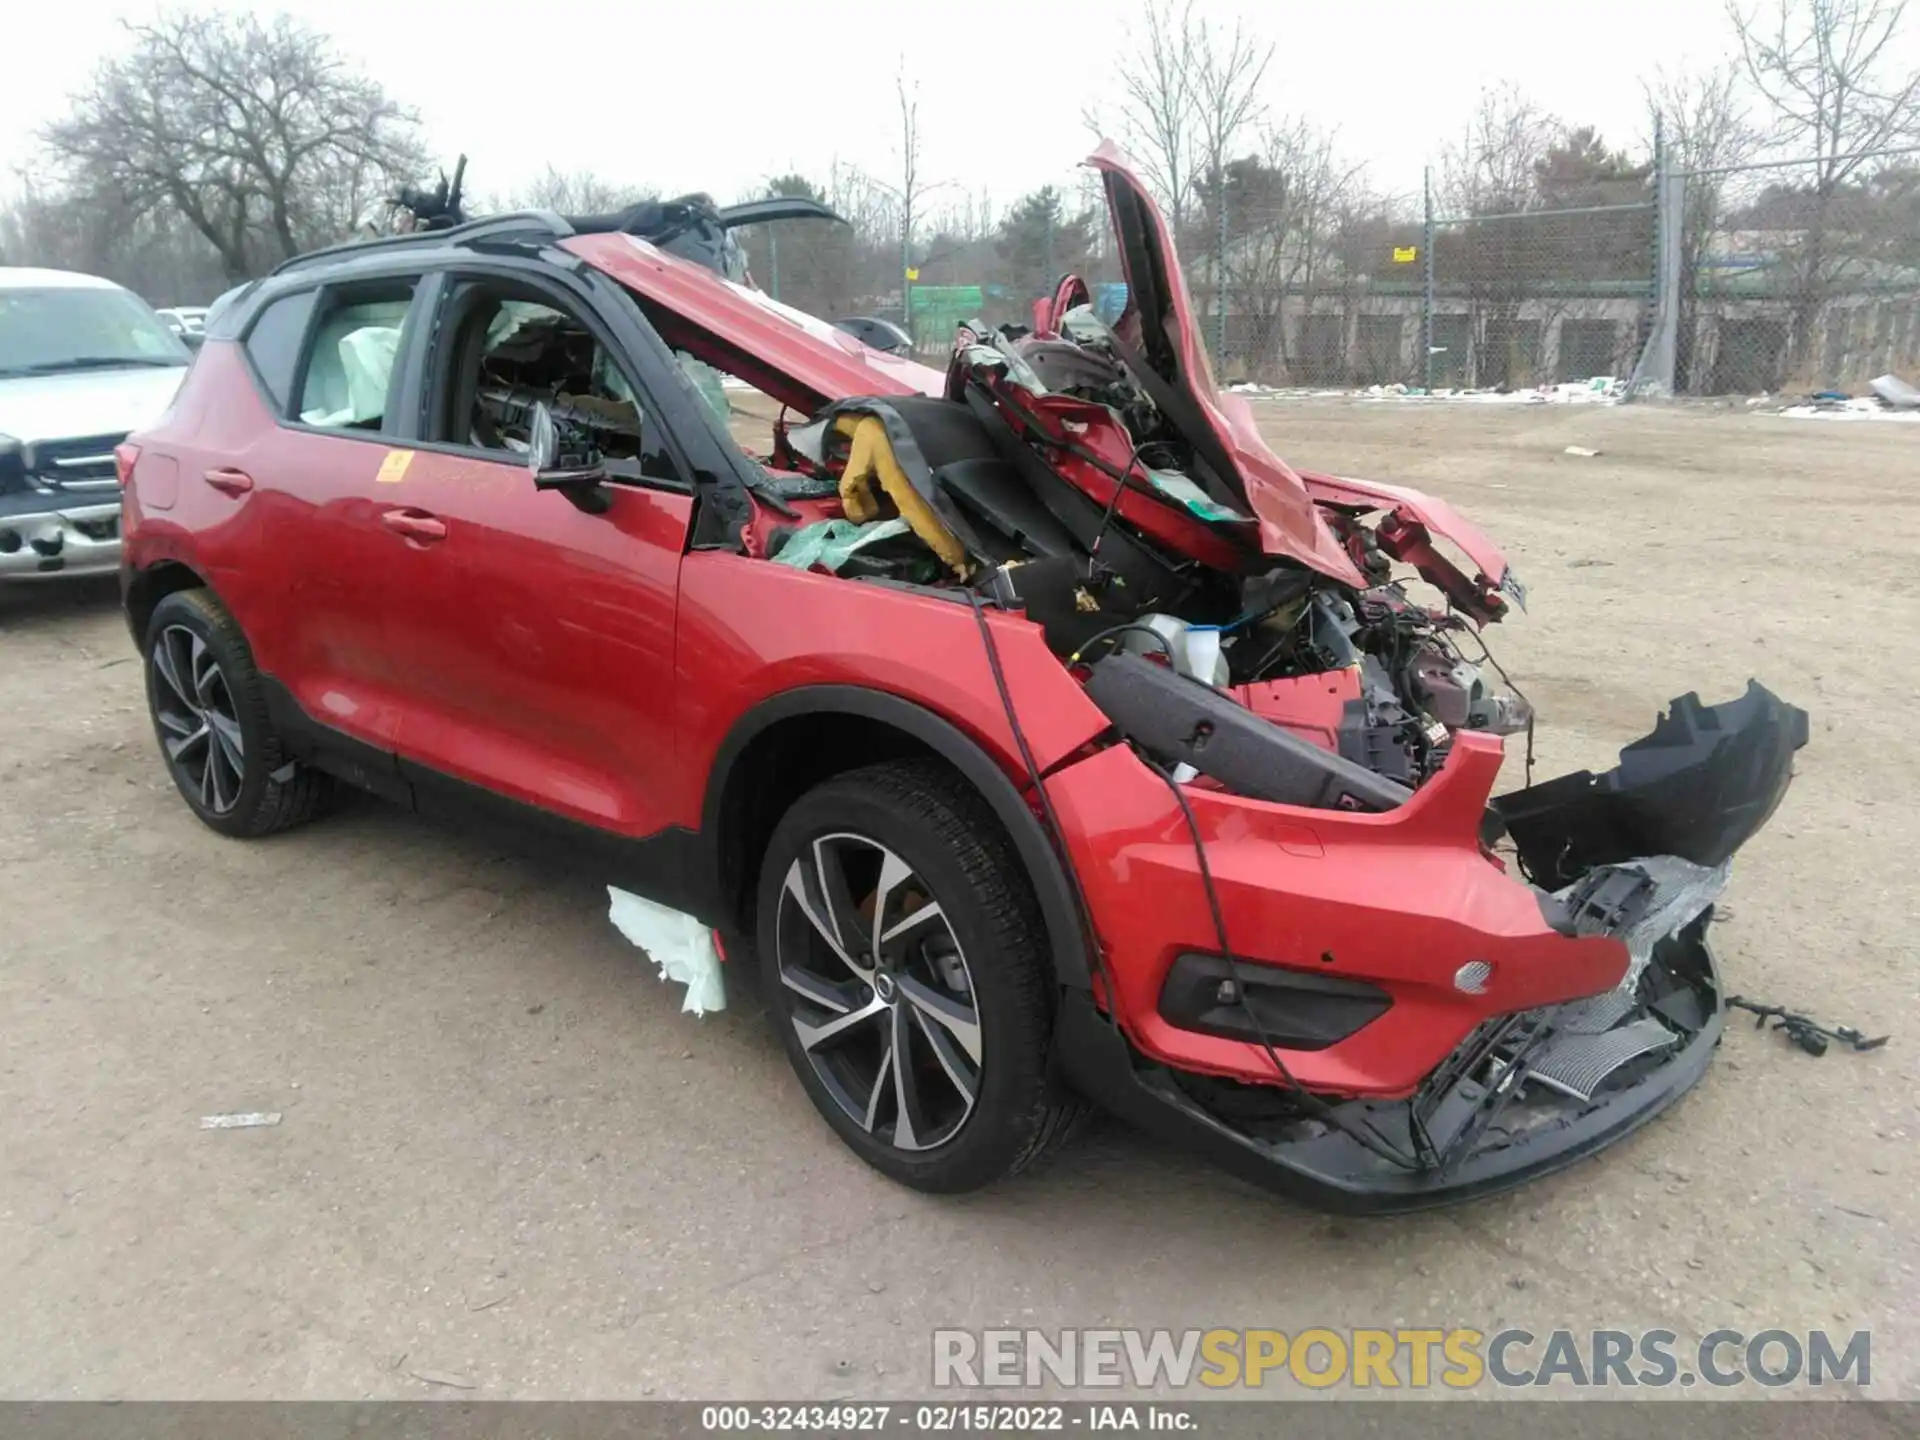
(488, 227)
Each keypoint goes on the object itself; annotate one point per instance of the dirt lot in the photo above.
(507, 1159)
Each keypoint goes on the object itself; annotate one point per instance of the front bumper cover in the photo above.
(1637, 856)
(47, 534)
(1485, 1121)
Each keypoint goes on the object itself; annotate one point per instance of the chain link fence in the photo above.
(1745, 281)
(1784, 278)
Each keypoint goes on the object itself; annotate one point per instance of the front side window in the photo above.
(507, 353)
(59, 329)
(351, 358)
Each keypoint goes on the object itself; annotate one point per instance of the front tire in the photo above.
(907, 975)
(210, 716)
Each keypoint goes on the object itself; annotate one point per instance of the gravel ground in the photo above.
(509, 1162)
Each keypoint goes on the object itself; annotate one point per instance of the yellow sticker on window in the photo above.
(393, 469)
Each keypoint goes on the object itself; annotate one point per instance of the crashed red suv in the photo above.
(1040, 734)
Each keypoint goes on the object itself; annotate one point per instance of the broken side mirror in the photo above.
(580, 477)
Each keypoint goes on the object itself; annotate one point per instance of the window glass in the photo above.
(63, 329)
(515, 354)
(350, 362)
(273, 343)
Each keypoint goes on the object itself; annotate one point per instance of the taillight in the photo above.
(125, 457)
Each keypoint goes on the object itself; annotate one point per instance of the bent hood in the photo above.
(795, 357)
(85, 403)
(1159, 322)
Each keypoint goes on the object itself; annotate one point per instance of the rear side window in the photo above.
(273, 344)
(351, 356)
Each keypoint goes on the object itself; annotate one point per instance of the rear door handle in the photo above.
(416, 525)
(229, 482)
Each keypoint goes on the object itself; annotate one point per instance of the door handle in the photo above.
(229, 482)
(416, 525)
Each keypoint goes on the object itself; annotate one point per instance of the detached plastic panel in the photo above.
(1700, 786)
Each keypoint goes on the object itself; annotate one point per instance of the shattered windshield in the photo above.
(56, 330)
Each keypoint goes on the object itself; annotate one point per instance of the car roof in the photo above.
(27, 277)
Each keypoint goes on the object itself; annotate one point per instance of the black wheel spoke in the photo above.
(828, 995)
(205, 672)
(903, 934)
(882, 1087)
(804, 889)
(894, 879)
(829, 868)
(227, 731)
(815, 1036)
(909, 1121)
(957, 1018)
(180, 725)
(965, 1079)
(167, 665)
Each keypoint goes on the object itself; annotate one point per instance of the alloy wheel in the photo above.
(199, 726)
(878, 991)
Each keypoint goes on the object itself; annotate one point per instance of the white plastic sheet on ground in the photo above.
(680, 945)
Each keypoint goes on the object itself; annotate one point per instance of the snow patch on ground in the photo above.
(1848, 410)
(1602, 390)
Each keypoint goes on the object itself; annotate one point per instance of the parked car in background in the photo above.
(82, 362)
(189, 322)
(882, 335)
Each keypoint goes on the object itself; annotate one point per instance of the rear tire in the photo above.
(895, 920)
(216, 735)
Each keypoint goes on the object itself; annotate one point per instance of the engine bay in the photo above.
(1050, 479)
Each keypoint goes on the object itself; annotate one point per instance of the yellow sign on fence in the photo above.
(1405, 254)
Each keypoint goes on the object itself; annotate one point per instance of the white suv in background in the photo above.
(82, 362)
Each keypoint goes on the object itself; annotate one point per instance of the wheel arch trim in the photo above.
(1067, 938)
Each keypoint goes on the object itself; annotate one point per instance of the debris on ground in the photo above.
(1804, 1031)
(680, 945)
(442, 1377)
(1581, 451)
(1895, 393)
(240, 1120)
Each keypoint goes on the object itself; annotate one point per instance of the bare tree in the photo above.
(1704, 127)
(1490, 171)
(1158, 116)
(577, 192)
(1227, 71)
(913, 188)
(1285, 207)
(1834, 94)
(258, 133)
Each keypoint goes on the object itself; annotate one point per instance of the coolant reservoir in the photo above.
(1196, 652)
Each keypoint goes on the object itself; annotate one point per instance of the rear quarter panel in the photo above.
(217, 419)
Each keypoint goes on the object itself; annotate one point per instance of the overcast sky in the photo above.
(722, 94)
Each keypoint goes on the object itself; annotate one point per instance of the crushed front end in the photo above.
(1404, 1020)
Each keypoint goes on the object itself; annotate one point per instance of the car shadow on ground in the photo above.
(1107, 1169)
(30, 604)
